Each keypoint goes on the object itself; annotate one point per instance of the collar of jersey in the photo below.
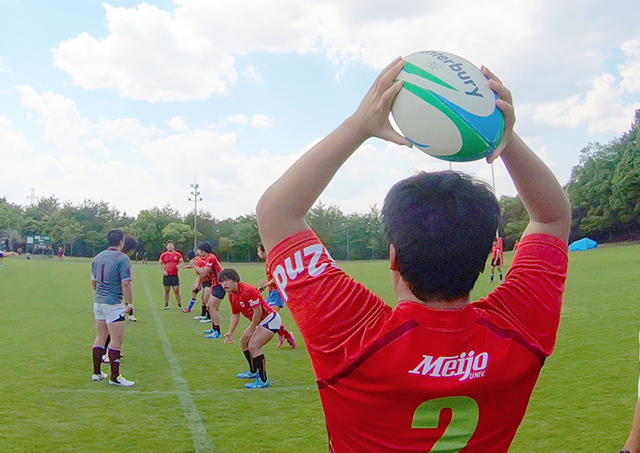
(445, 319)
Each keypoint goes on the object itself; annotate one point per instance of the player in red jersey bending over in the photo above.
(437, 373)
(170, 261)
(265, 322)
(274, 300)
(213, 293)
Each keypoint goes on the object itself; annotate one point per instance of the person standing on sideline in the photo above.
(265, 322)
(274, 300)
(497, 257)
(170, 262)
(437, 372)
(111, 282)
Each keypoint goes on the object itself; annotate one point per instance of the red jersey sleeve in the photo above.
(531, 295)
(336, 315)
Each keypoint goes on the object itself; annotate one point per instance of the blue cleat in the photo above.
(247, 375)
(258, 384)
(208, 331)
(213, 334)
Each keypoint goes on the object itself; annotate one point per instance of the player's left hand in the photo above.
(228, 338)
(504, 103)
(128, 309)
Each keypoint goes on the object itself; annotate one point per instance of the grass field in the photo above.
(187, 397)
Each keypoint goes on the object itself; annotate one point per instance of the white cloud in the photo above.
(630, 70)
(261, 121)
(238, 118)
(601, 108)
(178, 124)
(252, 73)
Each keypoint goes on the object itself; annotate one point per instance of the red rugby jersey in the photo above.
(245, 299)
(213, 265)
(170, 261)
(415, 379)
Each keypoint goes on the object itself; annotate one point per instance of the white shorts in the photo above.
(109, 313)
(273, 322)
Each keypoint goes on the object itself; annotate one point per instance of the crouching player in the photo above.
(111, 281)
(274, 300)
(265, 322)
(196, 263)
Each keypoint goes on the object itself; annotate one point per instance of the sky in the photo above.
(130, 102)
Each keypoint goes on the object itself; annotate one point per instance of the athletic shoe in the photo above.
(198, 317)
(132, 318)
(208, 331)
(99, 377)
(280, 340)
(213, 334)
(122, 382)
(291, 341)
(247, 375)
(105, 358)
(205, 320)
(166, 307)
(186, 310)
(258, 384)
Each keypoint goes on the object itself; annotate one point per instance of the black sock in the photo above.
(252, 368)
(216, 328)
(204, 311)
(258, 362)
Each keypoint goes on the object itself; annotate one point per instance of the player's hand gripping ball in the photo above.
(446, 107)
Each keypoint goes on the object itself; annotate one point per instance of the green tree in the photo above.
(180, 233)
(225, 245)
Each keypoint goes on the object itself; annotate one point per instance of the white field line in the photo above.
(201, 440)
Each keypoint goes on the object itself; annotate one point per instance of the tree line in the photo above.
(604, 190)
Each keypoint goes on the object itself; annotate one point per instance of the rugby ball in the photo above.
(446, 108)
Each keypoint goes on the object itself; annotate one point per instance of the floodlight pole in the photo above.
(196, 197)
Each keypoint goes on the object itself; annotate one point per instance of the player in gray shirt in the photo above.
(111, 282)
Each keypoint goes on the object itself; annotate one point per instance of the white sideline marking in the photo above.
(199, 434)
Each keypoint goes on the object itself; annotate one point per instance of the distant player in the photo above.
(497, 256)
(195, 262)
(111, 281)
(274, 300)
(213, 291)
(170, 262)
(438, 372)
(60, 253)
(265, 322)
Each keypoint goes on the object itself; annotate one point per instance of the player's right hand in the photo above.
(228, 338)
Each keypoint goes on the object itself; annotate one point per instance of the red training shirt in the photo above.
(213, 265)
(170, 261)
(245, 299)
(415, 379)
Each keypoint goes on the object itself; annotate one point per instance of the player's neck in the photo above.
(404, 293)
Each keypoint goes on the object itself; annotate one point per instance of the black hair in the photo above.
(130, 244)
(191, 254)
(229, 274)
(205, 246)
(114, 237)
(442, 227)
(170, 242)
(260, 246)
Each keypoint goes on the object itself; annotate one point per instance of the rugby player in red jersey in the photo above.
(274, 300)
(497, 256)
(265, 322)
(438, 372)
(170, 261)
(195, 262)
(213, 293)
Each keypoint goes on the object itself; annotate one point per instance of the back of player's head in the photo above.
(205, 246)
(130, 244)
(442, 226)
(260, 246)
(229, 274)
(114, 237)
(191, 254)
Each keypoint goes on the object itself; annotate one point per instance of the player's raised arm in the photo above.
(548, 207)
(282, 208)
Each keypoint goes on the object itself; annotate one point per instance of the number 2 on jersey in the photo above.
(464, 419)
